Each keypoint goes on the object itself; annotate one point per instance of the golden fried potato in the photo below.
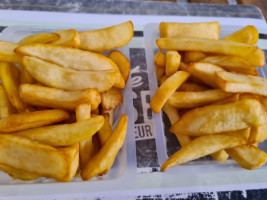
(111, 99)
(68, 79)
(64, 134)
(56, 98)
(160, 59)
(6, 107)
(173, 59)
(41, 38)
(215, 118)
(208, 30)
(23, 121)
(107, 38)
(201, 147)
(193, 56)
(68, 38)
(166, 89)
(7, 53)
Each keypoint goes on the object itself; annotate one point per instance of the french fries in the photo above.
(67, 79)
(160, 59)
(45, 71)
(200, 147)
(7, 53)
(23, 121)
(224, 70)
(64, 134)
(194, 30)
(56, 98)
(105, 157)
(9, 76)
(231, 82)
(40, 38)
(173, 59)
(201, 121)
(166, 89)
(196, 99)
(108, 38)
(253, 54)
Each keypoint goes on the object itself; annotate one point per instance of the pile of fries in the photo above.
(211, 92)
(57, 98)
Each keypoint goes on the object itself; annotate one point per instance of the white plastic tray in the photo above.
(15, 34)
(206, 164)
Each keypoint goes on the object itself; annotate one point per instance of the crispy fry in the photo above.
(10, 75)
(105, 157)
(24, 154)
(208, 30)
(56, 98)
(106, 130)
(7, 53)
(160, 59)
(160, 71)
(25, 76)
(68, 38)
(22, 121)
(6, 107)
(83, 112)
(166, 89)
(68, 79)
(253, 54)
(205, 72)
(248, 157)
(232, 82)
(64, 134)
(200, 147)
(107, 38)
(258, 134)
(122, 63)
(111, 99)
(220, 156)
(248, 35)
(232, 63)
(215, 118)
(41, 38)
(173, 59)
(196, 99)
(231, 99)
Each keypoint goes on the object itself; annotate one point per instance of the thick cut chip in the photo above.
(10, 76)
(68, 38)
(25, 76)
(166, 89)
(253, 54)
(107, 38)
(68, 79)
(232, 63)
(56, 98)
(7, 53)
(204, 72)
(201, 147)
(22, 121)
(6, 107)
(221, 118)
(208, 30)
(173, 59)
(19, 173)
(160, 59)
(122, 63)
(64, 134)
(248, 35)
(232, 82)
(193, 56)
(68, 57)
(160, 72)
(231, 99)
(248, 157)
(86, 150)
(105, 157)
(111, 99)
(196, 99)
(41, 38)
(24, 154)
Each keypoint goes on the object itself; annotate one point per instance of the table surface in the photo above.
(141, 12)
